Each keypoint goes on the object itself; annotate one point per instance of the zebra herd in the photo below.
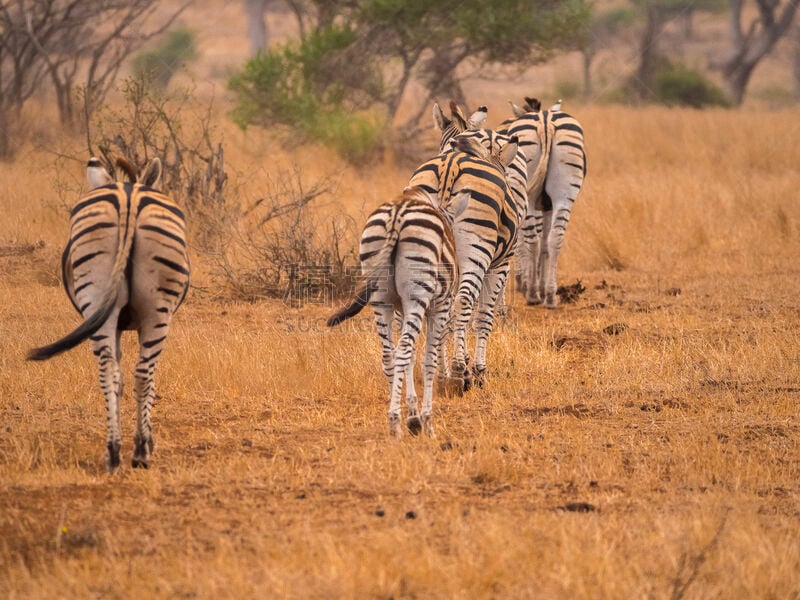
(439, 253)
(484, 187)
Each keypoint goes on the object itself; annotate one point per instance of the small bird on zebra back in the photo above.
(125, 267)
(553, 143)
(408, 266)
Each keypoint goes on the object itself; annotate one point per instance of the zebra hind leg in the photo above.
(413, 423)
(105, 348)
(151, 342)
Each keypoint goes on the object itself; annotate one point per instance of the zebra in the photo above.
(407, 255)
(552, 141)
(485, 235)
(125, 266)
(516, 172)
(457, 123)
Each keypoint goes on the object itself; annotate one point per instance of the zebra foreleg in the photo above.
(104, 347)
(384, 315)
(533, 271)
(459, 364)
(554, 241)
(492, 287)
(438, 321)
(413, 423)
(404, 354)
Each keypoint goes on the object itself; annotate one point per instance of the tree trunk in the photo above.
(749, 48)
(648, 54)
(256, 25)
(588, 57)
(5, 135)
(737, 76)
(796, 63)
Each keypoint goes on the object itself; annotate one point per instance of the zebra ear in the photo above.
(439, 120)
(152, 173)
(458, 116)
(556, 106)
(517, 109)
(458, 204)
(509, 152)
(96, 174)
(477, 119)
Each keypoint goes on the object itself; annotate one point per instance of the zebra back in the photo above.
(552, 141)
(410, 236)
(491, 217)
(120, 234)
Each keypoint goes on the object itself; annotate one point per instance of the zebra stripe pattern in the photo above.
(485, 235)
(125, 267)
(552, 141)
(408, 265)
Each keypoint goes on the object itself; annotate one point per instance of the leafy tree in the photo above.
(365, 53)
(73, 45)
(163, 61)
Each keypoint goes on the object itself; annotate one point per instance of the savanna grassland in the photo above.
(640, 442)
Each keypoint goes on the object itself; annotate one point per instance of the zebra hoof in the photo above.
(479, 377)
(414, 425)
(551, 302)
(113, 460)
(454, 386)
(427, 425)
(394, 427)
(142, 448)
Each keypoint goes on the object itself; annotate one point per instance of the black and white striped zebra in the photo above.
(552, 141)
(485, 235)
(125, 267)
(408, 264)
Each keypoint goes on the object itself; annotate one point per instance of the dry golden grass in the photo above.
(274, 475)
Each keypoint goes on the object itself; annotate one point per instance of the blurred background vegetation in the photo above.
(361, 75)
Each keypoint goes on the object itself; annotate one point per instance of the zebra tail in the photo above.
(82, 332)
(545, 141)
(380, 271)
(95, 320)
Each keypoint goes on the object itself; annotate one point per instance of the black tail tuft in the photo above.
(352, 308)
(69, 341)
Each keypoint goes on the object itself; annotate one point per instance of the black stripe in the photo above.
(110, 198)
(570, 127)
(172, 265)
(152, 343)
(165, 233)
(421, 242)
(86, 257)
(91, 228)
(481, 223)
(572, 144)
(148, 200)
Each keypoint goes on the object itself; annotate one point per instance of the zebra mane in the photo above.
(127, 169)
(532, 104)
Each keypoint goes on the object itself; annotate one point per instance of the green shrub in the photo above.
(317, 87)
(567, 89)
(162, 62)
(677, 84)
